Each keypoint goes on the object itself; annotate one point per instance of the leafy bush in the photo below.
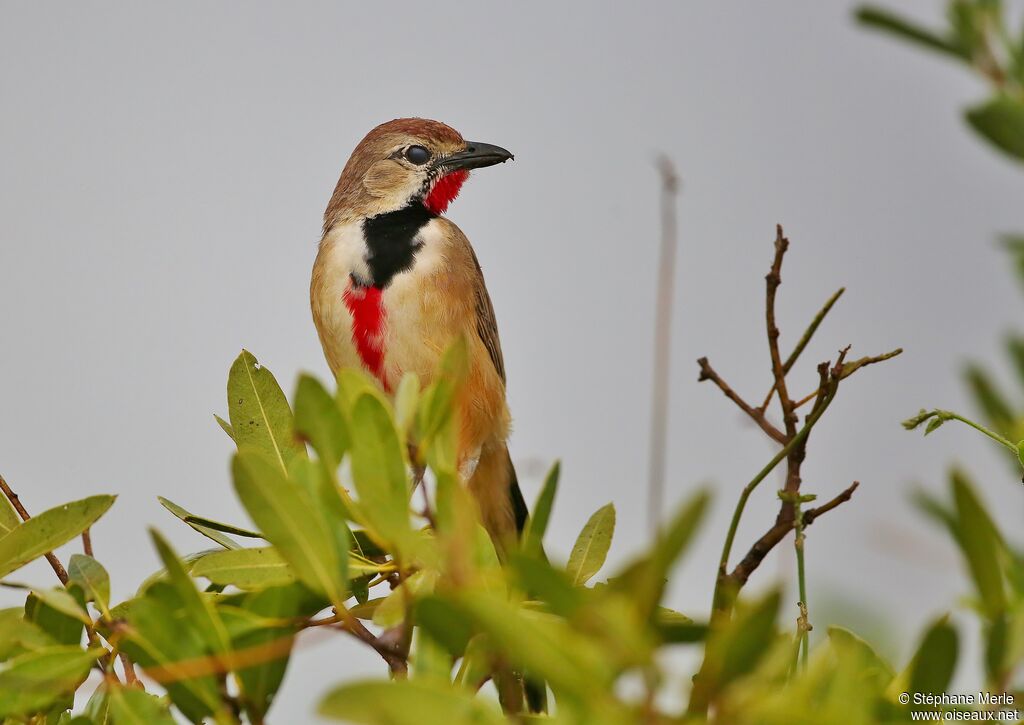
(978, 36)
(361, 526)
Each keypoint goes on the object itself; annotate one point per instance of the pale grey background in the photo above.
(162, 177)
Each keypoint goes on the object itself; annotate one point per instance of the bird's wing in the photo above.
(486, 324)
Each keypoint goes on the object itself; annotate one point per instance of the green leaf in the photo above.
(63, 628)
(62, 601)
(130, 706)
(9, 518)
(408, 702)
(392, 610)
(379, 472)
(680, 631)
(996, 649)
(932, 668)
(475, 667)
(283, 511)
(269, 648)
(429, 660)
(937, 511)
(407, 397)
(352, 384)
(318, 419)
(542, 644)
(48, 530)
(210, 533)
(1000, 121)
(848, 645)
(591, 547)
(161, 575)
(1014, 244)
(325, 499)
(172, 652)
(438, 401)
(197, 608)
(885, 21)
(18, 635)
(245, 568)
(222, 527)
(259, 412)
(542, 581)
(735, 649)
(644, 580)
(445, 623)
(34, 680)
(537, 524)
(979, 542)
(93, 578)
(1015, 343)
(989, 398)
(225, 426)
(97, 709)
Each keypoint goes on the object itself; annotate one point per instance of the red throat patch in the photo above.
(445, 191)
(368, 318)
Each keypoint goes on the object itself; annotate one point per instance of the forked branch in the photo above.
(792, 437)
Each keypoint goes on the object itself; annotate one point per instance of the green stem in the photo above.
(804, 339)
(723, 563)
(804, 622)
(980, 428)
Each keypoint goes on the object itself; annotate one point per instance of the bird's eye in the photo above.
(417, 155)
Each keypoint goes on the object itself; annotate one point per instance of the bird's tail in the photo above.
(519, 511)
(496, 489)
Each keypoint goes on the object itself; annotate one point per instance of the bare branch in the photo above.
(390, 653)
(810, 516)
(772, 281)
(847, 369)
(804, 340)
(708, 373)
(763, 546)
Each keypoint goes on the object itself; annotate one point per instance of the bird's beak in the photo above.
(476, 155)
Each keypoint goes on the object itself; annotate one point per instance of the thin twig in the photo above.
(393, 658)
(772, 281)
(87, 542)
(55, 564)
(804, 340)
(810, 516)
(777, 533)
(721, 598)
(851, 367)
(803, 622)
(662, 341)
(708, 373)
(130, 678)
(418, 481)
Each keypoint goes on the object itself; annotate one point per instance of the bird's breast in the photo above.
(392, 241)
(379, 297)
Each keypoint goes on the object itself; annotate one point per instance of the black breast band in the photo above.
(390, 240)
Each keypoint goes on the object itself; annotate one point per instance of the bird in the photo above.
(395, 282)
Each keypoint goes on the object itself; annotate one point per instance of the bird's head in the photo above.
(403, 162)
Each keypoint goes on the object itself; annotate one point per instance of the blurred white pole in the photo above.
(662, 342)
